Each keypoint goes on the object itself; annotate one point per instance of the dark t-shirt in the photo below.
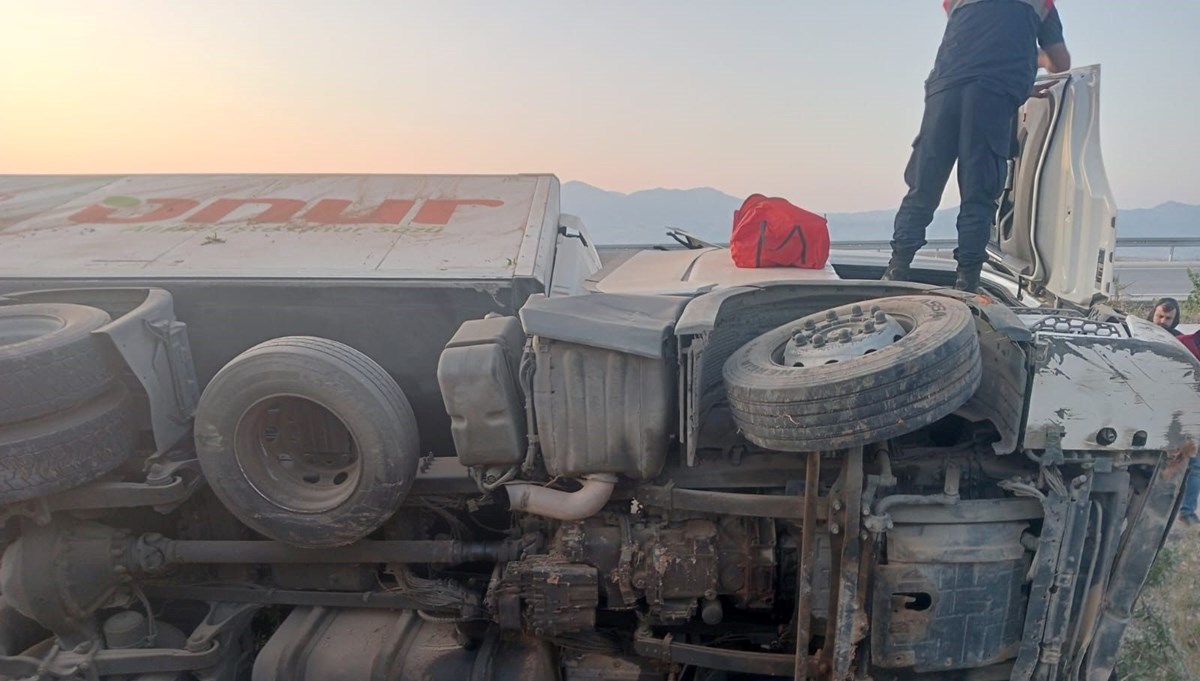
(995, 44)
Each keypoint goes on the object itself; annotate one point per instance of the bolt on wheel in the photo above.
(840, 338)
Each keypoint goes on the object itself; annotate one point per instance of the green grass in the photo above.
(1163, 640)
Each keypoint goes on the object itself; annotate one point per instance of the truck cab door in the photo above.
(1057, 226)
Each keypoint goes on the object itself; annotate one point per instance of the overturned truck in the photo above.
(399, 427)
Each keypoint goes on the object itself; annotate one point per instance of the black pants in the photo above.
(973, 126)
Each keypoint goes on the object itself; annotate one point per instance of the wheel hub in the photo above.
(830, 338)
(298, 455)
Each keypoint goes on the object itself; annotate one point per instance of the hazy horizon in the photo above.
(817, 102)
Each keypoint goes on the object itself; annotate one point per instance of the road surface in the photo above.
(1146, 280)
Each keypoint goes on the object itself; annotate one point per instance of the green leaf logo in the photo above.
(122, 201)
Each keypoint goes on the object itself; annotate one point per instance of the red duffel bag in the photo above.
(771, 232)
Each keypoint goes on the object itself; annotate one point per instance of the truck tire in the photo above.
(63, 450)
(50, 360)
(911, 382)
(307, 441)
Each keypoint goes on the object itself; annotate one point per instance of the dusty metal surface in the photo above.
(1120, 394)
(327, 226)
(693, 271)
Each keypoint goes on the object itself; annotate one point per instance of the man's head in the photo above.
(1166, 313)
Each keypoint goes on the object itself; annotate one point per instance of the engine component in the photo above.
(918, 378)
(307, 441)
(604, 385)
(50, 360)
(677, 565)
(547, 596)
(70, 448)
(319, 644)
(671, 566)
(477, 373)
(61, 574)
(585, 502)
(130, 629)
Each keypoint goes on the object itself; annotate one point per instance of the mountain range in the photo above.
(642, 217)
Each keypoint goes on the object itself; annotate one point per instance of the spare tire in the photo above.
(307, 441)
(50, 360)
(63, 450)
(876, 370)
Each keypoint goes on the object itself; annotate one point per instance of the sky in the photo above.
(815, 101)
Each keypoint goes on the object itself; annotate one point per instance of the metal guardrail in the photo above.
(1170, 243)
(935, 244)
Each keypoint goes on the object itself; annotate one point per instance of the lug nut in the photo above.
(831, 316)
(856, 311)
(818, 341)
(844, 336)
(800, 340)
(869, 326)
(880, 317)
(810, 324)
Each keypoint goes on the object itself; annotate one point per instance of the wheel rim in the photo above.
(26, 327)
(833, 338)
(297, 454)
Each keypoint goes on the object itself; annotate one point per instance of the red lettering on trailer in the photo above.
(439, 211)
(280, 210)
(323, 212)
(333, 212)
(167, 209)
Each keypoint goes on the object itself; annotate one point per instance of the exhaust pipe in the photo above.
(583, 503)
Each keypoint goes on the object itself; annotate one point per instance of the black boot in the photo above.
(968, 278)
(897, 269)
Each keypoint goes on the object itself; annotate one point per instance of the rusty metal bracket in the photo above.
(163, 494)
(728, 503)
(1052, 591)
(847, 626)
(708, 657)
(807, 567)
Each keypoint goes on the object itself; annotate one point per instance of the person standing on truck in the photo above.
(984, 71)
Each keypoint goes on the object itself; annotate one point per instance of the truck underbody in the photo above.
(396, 427)
(664, 545)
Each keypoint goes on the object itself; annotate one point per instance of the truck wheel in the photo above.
(67, 449)
(307, 441)
(50, 360)
(855, 374)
